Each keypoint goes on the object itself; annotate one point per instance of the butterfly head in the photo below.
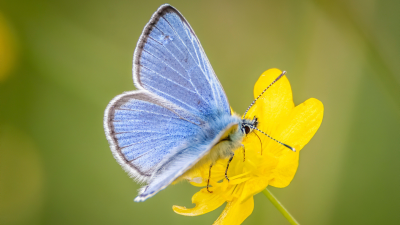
(248, 125)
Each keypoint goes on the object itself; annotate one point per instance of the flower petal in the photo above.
(260, 177)
(205, 202)
(276, 102)
(303, 122)
(235, 212)
(297, 130)
(286, 169)
(253, 187)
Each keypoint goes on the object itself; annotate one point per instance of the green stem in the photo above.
(280, 207)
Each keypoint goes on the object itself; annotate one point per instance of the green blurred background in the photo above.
(62, 61)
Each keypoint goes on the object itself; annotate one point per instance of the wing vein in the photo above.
(170, 80)
(165, 64)
(184, 69)
(184, 44)
(148, 152)
(134, 110)
(173, 98)
(146, 140)
(198, 64)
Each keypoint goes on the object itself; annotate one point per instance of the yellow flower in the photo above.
(264, 161)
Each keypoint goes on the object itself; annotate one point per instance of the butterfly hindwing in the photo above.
(142, 129)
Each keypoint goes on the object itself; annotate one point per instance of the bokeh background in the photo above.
(62, 61)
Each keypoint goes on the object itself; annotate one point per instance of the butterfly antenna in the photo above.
(279, 77)
(287, 146)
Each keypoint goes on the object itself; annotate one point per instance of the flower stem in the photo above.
(280, 207)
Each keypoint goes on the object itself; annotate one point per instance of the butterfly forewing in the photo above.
(170, 62)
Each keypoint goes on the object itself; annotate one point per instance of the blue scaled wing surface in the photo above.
(151, 130)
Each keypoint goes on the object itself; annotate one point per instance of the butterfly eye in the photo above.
(247, 129)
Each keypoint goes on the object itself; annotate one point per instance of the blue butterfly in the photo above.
(179, 116)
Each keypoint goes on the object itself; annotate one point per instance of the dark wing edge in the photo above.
(163, 9)
(145, 192)
(118, 101)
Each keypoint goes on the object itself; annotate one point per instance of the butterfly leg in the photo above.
(209, 176)
(244, 153)
(226, 171)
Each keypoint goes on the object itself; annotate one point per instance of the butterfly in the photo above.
(179, 117)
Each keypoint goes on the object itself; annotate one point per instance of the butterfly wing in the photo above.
(142, 128)
(149, 130)
(170, 62)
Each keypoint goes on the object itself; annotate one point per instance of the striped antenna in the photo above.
(287, 146)
(279, 77)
